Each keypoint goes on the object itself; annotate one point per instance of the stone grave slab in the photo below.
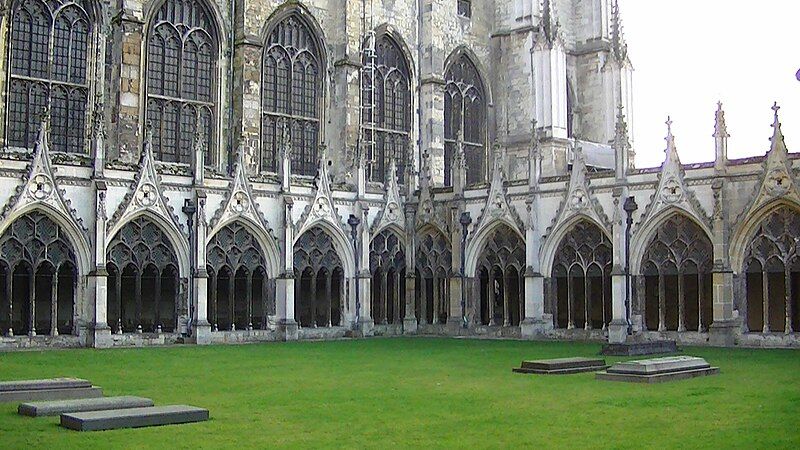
(50, 394)
(51, 383)
(561, 366)
(133, 417)
(657, 370)
(640, 348)
(54, 408)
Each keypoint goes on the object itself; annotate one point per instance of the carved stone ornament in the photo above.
(39, 185)
(146, 192)
(322, 208)
(497, 204)
(392, 212)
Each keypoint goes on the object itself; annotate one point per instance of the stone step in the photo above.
(51, 383)
(133, 418)
(54, 408)
(51, 394)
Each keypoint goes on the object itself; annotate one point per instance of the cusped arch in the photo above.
(76, 236)
(152, 7)
(553, 240)
(477, 244)
(301, 11)
(341, 245)
(646, 232)
(179, 243)
(483, 75)
(746, 230)
(394, 35)
(269, 249)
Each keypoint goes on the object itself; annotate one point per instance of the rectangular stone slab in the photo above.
(51, 383)
(658, 377)
(133, 418)
(50, 394)
(562, 363)
(640, 348)
(54, 408)
(659, 365)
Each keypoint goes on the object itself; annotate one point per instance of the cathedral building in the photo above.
(203, 171)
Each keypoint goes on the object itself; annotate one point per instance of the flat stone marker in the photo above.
(54, 408)
(51, 383)
(133, 418)
(561, 366)
(50, 394)
(657, 370)
(640, 348)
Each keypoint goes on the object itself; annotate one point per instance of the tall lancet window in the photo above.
(49, 48)
(292, 89)
(182, 51)
(386, 115)
(465, 120)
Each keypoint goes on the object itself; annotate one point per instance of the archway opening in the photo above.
(318, 295)
(499, 270)
(433, 264)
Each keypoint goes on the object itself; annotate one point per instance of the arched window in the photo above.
(676, 272)
(500, 271)
(386, 113)
(387, 265)
(49, 49)
(292, 87)
(464, 120)
(433, 267)
(181, 69)
(319, 280)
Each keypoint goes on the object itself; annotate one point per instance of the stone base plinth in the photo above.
(640, 348)
(561, 366)
(658, 370)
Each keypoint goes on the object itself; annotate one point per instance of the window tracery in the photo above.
(465, 120)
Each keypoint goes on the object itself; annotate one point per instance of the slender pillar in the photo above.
(603, 299)
(54, 305)
(328, 298)
(700, 297)
(788, 291)
(249, 295)
(587, 302)
(681, 302)
(157, 294)
(662, 326)
(492, 299)
(506, 309)
(765, 292)
(9, 296)
(232, 300)
(384, 297)
(32, 297)
(214, 314)
(118, 289)
(137, 293)
(436, 299)
(423, 300)
(264, 301)
(521, 297)
(570, 302)
(396, 299)
(313, 300)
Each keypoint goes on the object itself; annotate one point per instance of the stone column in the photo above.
(724, 328)
(98, 278)
(410, 320)
(681, 302)
(284, 284)
(618, 328)
(536, 322)
(202, 327)
(54, 305)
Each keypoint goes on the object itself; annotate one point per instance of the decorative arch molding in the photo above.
(672, 192)
(498, 205)
(39, 190)
(477, 244)
(269, 248)
(341, 245)
(392, 216)
(151, 8)
(466, 52)
(749, 226)
(288, 9)
(178, 241)
(645, 232)
(386, 29)
(553, 241)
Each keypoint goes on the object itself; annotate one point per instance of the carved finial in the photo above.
(720, 129)
(621, 139)
(619, 47)
(671, 151)
(778, 143)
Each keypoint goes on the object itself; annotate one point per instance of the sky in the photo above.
(689, 54)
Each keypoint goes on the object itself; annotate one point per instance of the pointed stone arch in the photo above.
(433, 259)
(478, 242)
(502, 260)
(387, 265)
(318, 262)
(644, 232)
(747, 228)
(551, 244)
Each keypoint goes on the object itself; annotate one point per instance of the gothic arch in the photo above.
(746, 230)
(175, 115)
(77, 237)
(499, 271)
(387, 265)
(643, 234)
(465, 51)
(465, 118)
(341, 243)
(176, 238)
(303, 116)
(477, 243)
(554, 238)
(433, 266)
(674, 276)
(319, 279)
(269, 248)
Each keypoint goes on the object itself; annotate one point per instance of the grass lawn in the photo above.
(416, 392)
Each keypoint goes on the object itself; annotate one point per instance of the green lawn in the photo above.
(385, 393)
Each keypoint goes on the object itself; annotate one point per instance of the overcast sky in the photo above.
(688, 54)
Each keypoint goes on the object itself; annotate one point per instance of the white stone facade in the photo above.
(556, 74)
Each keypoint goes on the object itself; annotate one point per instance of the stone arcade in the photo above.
(207, 171)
